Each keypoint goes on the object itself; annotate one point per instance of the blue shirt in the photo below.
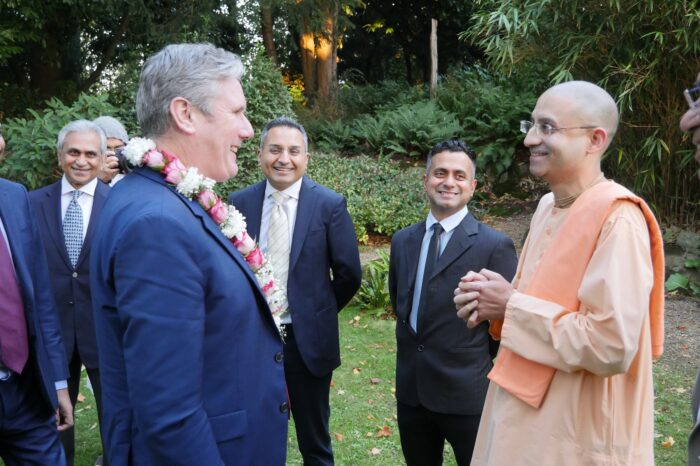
(448, 224)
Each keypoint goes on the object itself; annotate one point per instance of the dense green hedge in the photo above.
(383, 196)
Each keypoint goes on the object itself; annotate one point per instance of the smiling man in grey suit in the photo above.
(67, 212)
(441, 365)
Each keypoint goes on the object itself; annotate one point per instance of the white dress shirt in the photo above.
(290, 208)
(85, 200)
(448, 224)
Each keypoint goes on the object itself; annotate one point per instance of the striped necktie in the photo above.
(278, 239)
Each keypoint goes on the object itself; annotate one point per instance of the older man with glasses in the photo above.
(583, 319)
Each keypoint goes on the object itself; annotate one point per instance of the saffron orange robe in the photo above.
(599, 407)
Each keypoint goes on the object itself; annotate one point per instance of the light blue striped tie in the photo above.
(73, 228)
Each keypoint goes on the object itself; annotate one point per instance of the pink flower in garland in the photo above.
(267, 287)
(154, 159)
(174, 171)
(244, 243)
(255, 259)
(194, 186)
(207, 199)
(218, 212)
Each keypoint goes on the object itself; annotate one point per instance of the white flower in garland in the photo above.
(234, 224)
(191, 183)
(136, 149)
(231, 222)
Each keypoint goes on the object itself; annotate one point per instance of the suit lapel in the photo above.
(254, 211)
(101, 191)
(51, 209)
(305, 212)
(211, 227)
(412, 253)
(462, 239)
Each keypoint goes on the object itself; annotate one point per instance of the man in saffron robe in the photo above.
(583, 319)
(691, 122)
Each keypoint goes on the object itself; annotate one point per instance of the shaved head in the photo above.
(590, 104)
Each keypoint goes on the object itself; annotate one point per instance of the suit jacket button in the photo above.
(284, 407)
(279, 357)
(421, 347)
(70, 302)
(75, 274)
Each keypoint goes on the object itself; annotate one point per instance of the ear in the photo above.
(598, 140)
(181, 114)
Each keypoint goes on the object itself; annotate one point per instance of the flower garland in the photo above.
(194, 186)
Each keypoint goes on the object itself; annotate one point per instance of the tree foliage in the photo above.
(637, 51)
(59, 48)
(31, 142)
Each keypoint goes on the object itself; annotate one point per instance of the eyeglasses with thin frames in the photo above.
(692, 95)
(546, 129)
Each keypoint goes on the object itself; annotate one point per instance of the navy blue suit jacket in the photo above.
(71, 286)
(189, 353)
(443, 366)
(323, 241)
(47, 360)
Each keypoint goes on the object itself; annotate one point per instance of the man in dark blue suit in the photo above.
(441, 364)
(309, 237)
(81, 145)
(190, 357)
(33, 372)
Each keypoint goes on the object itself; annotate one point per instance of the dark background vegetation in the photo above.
(355, 73)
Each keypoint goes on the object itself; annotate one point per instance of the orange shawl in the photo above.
(559, 276)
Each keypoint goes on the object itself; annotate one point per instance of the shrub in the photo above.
(358, 100)
(31, 143)
(413, 129)
(373, 294)
(489, 108)
(408, 130)
(382, 196)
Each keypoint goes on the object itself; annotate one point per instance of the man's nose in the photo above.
(532, 139)
(247, 131)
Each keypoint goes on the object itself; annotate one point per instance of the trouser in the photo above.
(28, 434)
(68, 436)
(423, 434)
(308, 395)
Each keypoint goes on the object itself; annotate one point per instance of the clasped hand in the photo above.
(482, 296)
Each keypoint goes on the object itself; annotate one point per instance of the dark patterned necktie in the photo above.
(73, 228)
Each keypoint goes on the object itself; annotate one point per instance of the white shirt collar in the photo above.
(292, 191)
(88, 188)
(449, 223)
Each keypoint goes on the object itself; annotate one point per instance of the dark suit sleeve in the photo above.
(45, 306)
(504, 261)
(160, 298)
(344, 255)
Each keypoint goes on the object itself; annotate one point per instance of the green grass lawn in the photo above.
(363, 412)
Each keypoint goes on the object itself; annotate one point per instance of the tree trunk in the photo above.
(308, 62)
(325, 55)
(433, 57)
(267, 23)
